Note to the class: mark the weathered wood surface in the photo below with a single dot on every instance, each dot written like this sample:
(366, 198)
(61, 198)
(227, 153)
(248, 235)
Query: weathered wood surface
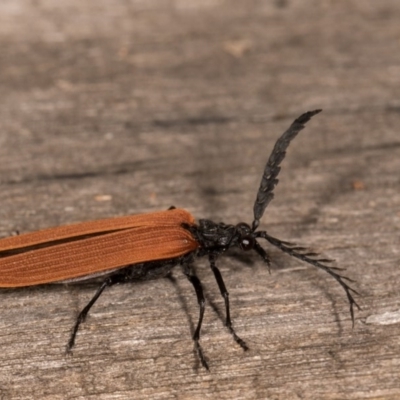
(110, 108)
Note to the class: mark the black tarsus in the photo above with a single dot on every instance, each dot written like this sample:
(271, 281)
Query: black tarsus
(130, 273)
(112, 280)
(269, 179)
(316, 262)
(225, 295)
(195, 281)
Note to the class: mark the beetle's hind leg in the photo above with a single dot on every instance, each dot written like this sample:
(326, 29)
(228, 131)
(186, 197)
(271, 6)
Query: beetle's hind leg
(195, 281)
(110, 281)
(225, 295)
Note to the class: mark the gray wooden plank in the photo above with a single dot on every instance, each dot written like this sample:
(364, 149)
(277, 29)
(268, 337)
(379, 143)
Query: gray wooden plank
(109, 108)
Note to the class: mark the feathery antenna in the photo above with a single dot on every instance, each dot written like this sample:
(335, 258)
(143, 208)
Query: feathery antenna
(269, 179)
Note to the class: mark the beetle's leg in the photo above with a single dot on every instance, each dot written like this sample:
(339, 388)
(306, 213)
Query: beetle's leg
(225, 295)
(195, 281)
(112, 280)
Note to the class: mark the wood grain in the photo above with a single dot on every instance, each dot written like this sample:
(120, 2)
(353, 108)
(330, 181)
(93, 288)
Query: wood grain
(115, 108)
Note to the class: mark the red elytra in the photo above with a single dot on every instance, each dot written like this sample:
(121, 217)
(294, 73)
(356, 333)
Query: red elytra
(77, 250)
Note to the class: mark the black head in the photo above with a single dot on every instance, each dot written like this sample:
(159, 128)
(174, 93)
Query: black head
(216, 238)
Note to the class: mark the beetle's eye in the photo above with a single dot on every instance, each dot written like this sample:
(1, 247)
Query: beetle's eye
(247, 243)
(243, 227)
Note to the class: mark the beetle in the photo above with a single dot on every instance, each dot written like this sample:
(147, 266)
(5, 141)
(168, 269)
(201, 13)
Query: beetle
(145, 246)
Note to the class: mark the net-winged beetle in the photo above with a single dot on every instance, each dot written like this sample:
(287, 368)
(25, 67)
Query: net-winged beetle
(145, 246)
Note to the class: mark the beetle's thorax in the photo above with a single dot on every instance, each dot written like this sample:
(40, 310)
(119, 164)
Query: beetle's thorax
(218, 237)
(215, 235)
